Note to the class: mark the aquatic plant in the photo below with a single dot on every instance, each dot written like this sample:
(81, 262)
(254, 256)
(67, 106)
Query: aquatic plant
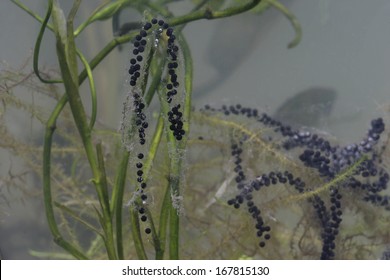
(177, 181)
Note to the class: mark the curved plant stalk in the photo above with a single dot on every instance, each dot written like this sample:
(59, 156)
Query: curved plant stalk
(117, 202)
(163, 222)
(54, 256)
(293, 20)
(174, 182)
(91, 87)
(148, 96)
(105, 205)
(38, 46)
(159, 250)
(104, 12)
(188, 78)
(136, 234)
(207, 13)
(48, 201)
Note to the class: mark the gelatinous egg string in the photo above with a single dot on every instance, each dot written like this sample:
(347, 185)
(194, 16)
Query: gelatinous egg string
(347, 173)
(153, 35)
(158, 28)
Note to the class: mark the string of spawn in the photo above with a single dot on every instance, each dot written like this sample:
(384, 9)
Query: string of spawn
(369, 177)
(155, 28)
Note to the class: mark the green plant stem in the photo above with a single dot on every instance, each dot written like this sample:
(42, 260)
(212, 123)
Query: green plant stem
(91, 87)
(136, 233)
(156, 238)
(117, 201)
(207, 13)
(174, 191)
(163, 222)
(155, 81)
(293, 20)
(49, 255)
(188, 78)
(38, 46)
(145, 75)
(66, 52)
(104, 12)
(156, 140)
(174, 213)
(48, 201)
(105, 205)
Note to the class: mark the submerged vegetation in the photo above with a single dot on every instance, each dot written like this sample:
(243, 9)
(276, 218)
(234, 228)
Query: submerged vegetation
(217, 183)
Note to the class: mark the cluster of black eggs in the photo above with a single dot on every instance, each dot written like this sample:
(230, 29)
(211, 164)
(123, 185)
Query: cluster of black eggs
(140, 43)
(315, 159)
(236, 153)
(139, 47)
(141, 124)
(245, 195)
(140, 179)
(246, 189)
(372, 188)
(172, 83)
(175, 117)
(140, 117)
(234, 110)
(319, 154)
(330, 220)
(328, 160)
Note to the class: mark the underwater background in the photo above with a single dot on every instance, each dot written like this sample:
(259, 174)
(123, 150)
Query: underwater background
(243, 59)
